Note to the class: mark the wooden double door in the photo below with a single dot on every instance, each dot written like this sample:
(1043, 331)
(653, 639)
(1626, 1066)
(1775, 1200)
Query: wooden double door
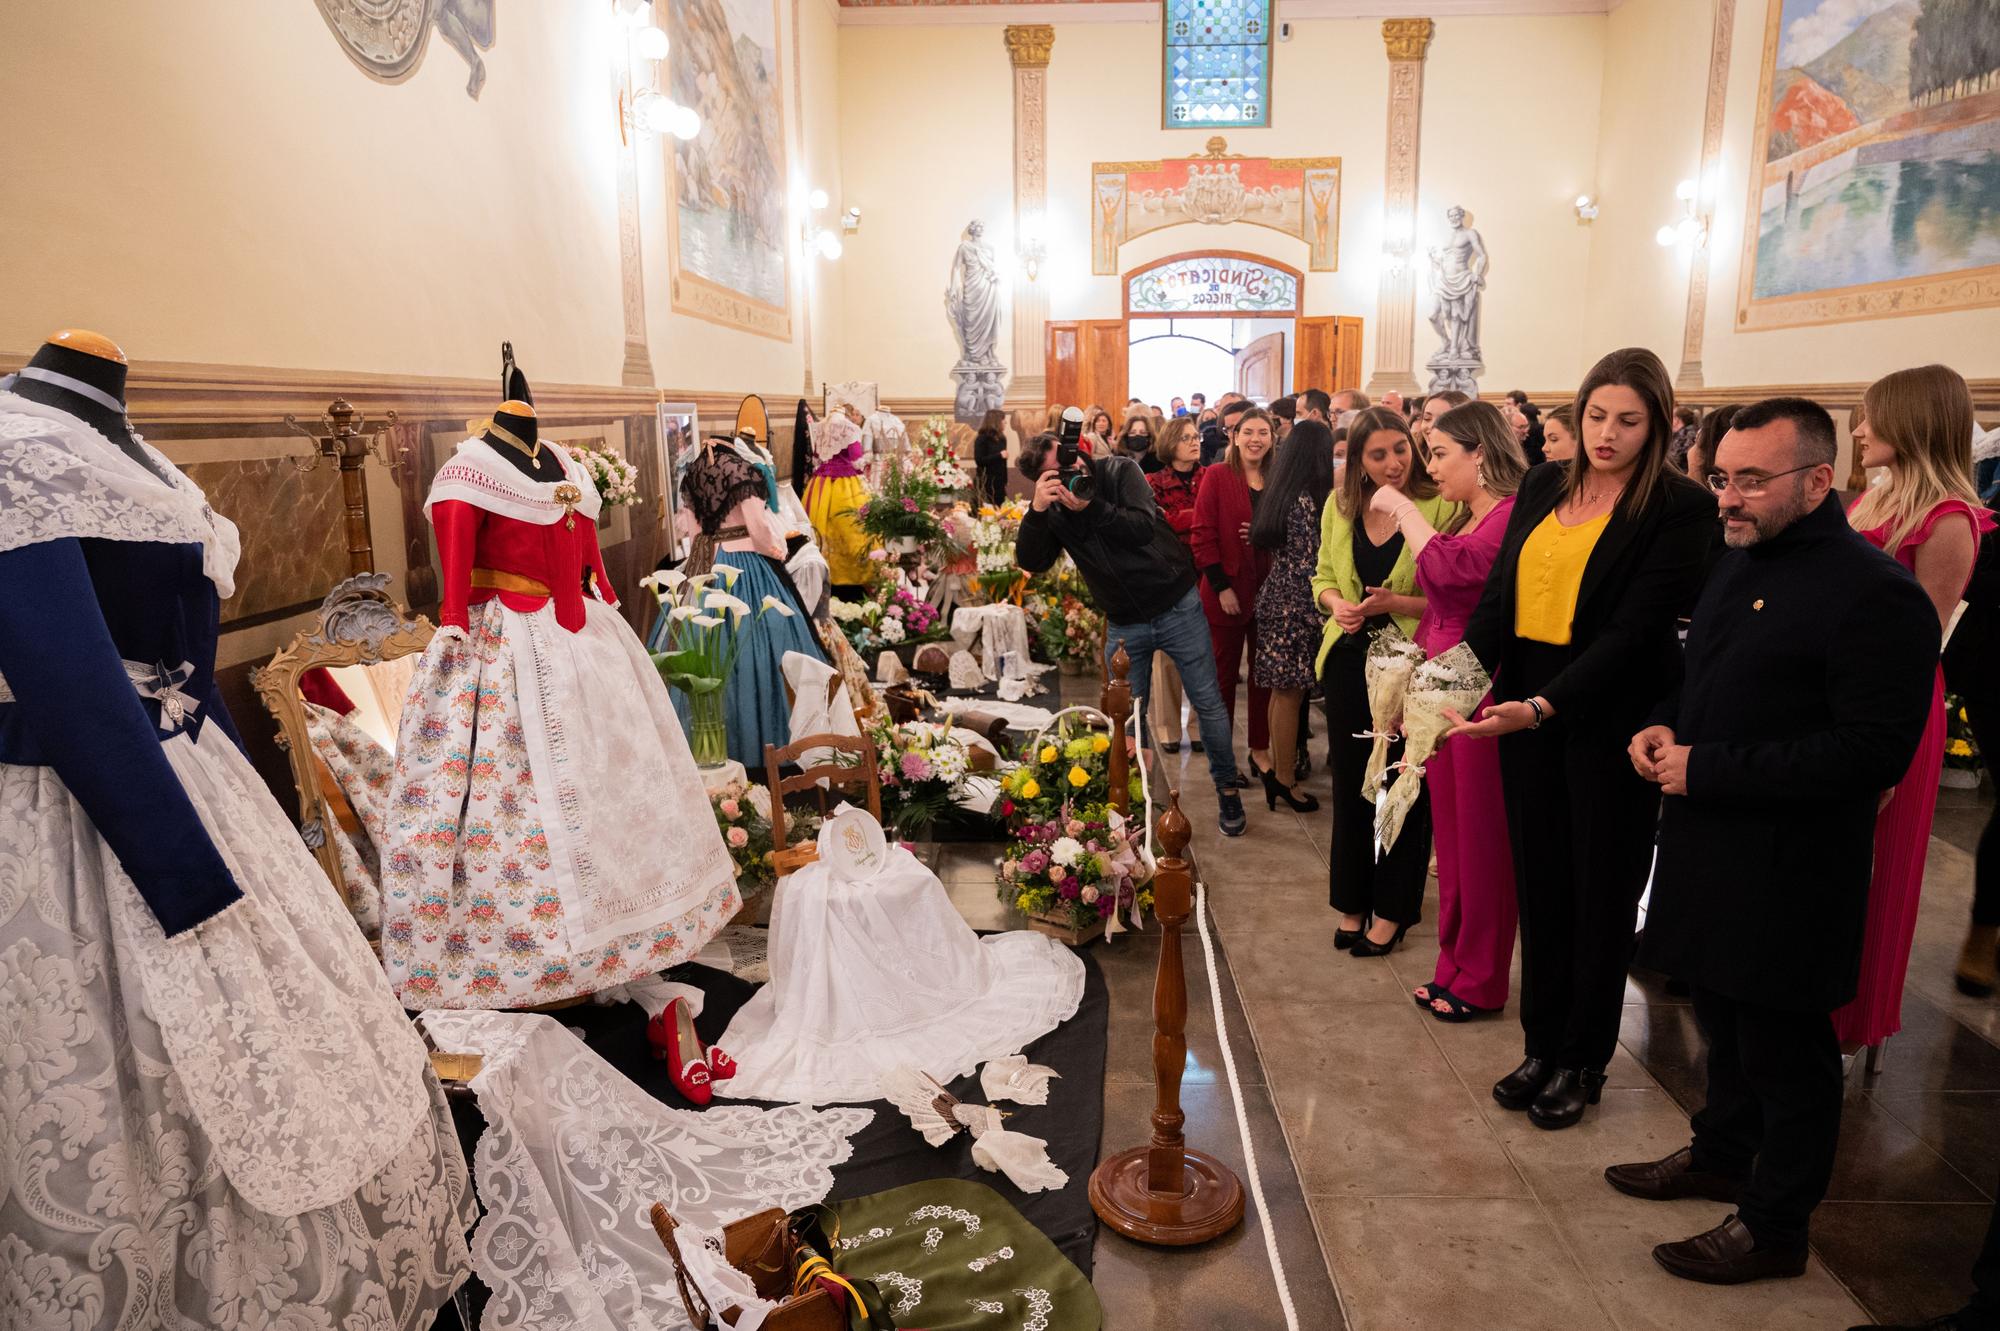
(1089, 360)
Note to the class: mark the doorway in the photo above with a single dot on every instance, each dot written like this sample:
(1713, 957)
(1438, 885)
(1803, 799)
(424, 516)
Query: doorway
(1176, 357)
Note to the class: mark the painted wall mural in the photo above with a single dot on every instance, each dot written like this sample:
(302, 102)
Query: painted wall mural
(387, 37)
(1875, 170)
(731, 263)
(1299, 196)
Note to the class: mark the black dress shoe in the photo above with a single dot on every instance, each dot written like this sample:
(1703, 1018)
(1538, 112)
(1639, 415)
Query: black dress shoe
(1671, 1179)
(1518, 1089)
(1563, 1098)
(1729, 1255)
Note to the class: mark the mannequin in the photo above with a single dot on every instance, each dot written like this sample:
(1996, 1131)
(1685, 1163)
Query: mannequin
(82, 369)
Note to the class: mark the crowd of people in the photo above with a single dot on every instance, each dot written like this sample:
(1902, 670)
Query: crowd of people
(1711, 673)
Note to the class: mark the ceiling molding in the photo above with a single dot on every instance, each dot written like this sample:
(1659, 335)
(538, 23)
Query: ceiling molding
(940, 13)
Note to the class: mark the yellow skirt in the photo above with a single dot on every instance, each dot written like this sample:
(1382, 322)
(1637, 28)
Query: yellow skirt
(832, 503)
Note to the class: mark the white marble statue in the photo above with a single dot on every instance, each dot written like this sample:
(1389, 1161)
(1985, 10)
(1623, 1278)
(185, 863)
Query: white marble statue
(1458, 279)
(972, 303)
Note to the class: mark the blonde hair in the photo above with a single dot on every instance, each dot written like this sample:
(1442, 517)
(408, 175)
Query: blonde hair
(1053, 421)
(1926, 415)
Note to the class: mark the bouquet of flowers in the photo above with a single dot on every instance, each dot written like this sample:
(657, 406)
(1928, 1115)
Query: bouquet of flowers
(743, 813)
(922, 768)
(1078, 869)
(1065, 621)
(704, 633)
(1391, 659)
(895, 612)
(1453, 681)
(995, 573)
(934, 458)
(1064, 771)
(1961, 751)
(617, 480)
(902, 507)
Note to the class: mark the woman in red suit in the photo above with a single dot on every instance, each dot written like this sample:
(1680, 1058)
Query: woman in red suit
(1176, 481)
(1232, 569)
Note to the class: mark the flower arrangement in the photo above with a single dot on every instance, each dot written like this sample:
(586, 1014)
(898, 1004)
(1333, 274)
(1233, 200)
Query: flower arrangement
(922, 768)
(935, 459)
(617, 480)
(704, 633)
(895, 612)
(1065, 621)
(1064, 772)
(902, 507)
(995, 572)
(1961, 751)
(1077, 871)
(743, 815)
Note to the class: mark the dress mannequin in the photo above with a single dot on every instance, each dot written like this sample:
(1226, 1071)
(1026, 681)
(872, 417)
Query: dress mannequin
(193, 988)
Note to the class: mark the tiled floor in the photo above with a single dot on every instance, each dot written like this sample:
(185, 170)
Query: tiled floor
(1389, 1167)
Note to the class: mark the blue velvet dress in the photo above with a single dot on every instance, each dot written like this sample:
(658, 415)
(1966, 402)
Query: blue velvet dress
(215, 1111)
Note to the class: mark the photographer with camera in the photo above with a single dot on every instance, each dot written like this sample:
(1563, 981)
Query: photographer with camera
(1100, 511)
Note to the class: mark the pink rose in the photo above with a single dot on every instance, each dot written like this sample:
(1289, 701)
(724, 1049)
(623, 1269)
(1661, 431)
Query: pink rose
(738, 837)
(1074, 827)
(731, 809)
(1089, 894)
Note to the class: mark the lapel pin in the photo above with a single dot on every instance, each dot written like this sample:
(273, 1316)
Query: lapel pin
(1757, 604)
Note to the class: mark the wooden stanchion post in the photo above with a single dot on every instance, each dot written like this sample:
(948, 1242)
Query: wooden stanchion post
(1167, 1192)
(1117, 704)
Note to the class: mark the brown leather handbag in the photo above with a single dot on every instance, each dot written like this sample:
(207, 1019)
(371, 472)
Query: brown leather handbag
(762, 1247)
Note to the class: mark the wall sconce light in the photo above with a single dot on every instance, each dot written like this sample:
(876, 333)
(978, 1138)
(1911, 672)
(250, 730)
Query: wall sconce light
(1692, 228)
(650, 43)
(1032, 245)
(816, 238)
(648, 109)
(1586, 209)
(850, 221)
(633, 13)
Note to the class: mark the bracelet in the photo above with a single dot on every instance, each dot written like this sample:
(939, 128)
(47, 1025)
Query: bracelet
(1540, 717)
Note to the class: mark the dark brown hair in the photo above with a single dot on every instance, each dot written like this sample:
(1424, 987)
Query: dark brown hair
(1479, 427)
(1355, 487)
(1641, 371)
(1235, 460)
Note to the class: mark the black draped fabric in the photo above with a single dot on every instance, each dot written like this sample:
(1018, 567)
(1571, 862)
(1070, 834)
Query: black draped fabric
(889, 1152)
(801, 448)
(718, 479)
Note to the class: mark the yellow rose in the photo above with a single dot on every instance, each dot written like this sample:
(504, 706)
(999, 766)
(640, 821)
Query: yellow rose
(1048, 753)
(1099, 744)
(1032, 789)
(1078, 777)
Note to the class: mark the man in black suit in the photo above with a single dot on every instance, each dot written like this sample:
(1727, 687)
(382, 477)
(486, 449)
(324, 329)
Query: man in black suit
(1808, 682)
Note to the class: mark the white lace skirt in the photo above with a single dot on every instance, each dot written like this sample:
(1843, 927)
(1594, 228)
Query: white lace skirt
(870, 976)
(236, 1127)
(548, 834)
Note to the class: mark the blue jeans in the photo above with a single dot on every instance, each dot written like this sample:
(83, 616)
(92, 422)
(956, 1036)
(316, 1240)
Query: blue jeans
(1182, 633)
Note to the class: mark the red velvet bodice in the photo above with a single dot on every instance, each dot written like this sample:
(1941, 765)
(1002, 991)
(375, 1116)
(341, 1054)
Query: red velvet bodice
(558, 555)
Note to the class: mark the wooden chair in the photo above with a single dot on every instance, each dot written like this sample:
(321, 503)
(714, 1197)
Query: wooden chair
(861, 774)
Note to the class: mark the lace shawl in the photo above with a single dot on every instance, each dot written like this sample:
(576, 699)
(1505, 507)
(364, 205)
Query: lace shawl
(718, 479)
(61, 478)
(479, 476)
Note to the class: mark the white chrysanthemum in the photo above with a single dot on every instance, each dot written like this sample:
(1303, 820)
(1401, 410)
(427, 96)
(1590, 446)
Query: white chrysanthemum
(1065, 851)
(891, 630)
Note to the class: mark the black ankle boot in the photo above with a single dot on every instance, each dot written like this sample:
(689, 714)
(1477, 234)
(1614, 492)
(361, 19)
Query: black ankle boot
(1562, 1101)
(1518, 1089)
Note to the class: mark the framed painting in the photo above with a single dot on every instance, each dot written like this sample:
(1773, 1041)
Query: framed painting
(728, 217)
(1875, 170)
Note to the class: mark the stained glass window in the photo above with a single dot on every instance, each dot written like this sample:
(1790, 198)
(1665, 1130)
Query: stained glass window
(1218, 63)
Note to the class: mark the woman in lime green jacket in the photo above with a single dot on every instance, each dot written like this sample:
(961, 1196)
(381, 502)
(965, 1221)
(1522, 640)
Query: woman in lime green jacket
(1367, 579)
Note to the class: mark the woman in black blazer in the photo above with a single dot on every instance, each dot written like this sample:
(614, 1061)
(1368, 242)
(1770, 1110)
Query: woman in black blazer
(1577, 625)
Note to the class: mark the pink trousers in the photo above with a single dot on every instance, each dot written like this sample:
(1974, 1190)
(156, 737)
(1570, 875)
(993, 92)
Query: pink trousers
(1477, 909)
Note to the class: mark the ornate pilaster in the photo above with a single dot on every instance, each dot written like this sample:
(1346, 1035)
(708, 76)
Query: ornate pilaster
(1711, 155)
(1028, 47)
(1407, 40)
(637, 371)
(808, 268)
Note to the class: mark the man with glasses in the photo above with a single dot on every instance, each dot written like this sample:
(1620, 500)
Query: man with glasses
(1809, 671)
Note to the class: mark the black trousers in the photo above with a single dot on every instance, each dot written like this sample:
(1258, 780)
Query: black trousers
(1358, 883)
(1984, 717)
(1983, 1313)
(1582, 823)
(1773, 1110)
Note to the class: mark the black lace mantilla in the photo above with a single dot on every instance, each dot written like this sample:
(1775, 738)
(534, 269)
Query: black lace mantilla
(718, 479)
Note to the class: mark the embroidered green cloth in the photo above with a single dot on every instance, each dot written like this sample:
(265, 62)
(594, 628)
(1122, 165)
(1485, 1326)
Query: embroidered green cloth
(951, 1254)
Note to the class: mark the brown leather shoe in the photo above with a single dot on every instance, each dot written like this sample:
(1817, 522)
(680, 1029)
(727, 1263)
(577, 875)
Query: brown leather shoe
(1729, 1255)
(1672, 1179)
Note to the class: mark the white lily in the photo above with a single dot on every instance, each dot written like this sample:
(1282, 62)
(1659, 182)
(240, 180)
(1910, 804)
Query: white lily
(773, 603)
(683, 612)
(724, 601)
(730, 573)
(707, 621)
(670, 579)
(698, 581)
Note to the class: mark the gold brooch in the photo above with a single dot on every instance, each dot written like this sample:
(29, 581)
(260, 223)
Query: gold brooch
(569, 497)
(1757, 604)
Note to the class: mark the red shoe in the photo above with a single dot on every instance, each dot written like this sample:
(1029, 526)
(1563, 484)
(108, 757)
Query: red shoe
(672, 1036)
(720, 1065)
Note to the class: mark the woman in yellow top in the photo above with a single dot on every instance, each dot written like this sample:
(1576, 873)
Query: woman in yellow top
(1366, 578)
(1602, 555)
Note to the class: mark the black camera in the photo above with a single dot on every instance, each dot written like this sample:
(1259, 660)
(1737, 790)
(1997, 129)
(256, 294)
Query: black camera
(1071, 460)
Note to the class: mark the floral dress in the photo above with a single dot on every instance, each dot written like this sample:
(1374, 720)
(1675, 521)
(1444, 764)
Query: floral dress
(1288, 623)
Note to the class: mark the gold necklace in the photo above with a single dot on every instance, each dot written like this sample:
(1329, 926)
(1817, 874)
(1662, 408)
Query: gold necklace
(501, 432)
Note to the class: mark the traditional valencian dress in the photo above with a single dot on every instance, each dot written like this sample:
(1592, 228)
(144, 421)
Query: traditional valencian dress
(834, 497)
(212, 1111)
(548, 835)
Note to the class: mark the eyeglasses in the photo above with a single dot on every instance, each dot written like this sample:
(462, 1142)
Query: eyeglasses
(1750, 487)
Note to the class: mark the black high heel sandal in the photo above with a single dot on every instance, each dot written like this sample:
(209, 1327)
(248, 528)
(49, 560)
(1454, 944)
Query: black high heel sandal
(1274, 791)
(1368, 947)
(1343, 939)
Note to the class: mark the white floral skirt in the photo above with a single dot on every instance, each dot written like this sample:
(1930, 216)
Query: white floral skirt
(547, 831)
(235, 1127)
